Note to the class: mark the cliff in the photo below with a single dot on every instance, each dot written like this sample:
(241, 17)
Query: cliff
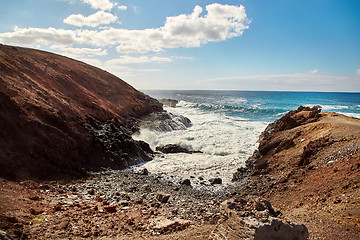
(59, 116)
(308, 166)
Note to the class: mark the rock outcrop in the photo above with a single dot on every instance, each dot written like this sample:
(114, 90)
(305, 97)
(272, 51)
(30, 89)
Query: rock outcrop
(308, 166)
(254, 218)
(54, 112)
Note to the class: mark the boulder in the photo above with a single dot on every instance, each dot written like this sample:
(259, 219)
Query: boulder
(174, 148)
(254, 218)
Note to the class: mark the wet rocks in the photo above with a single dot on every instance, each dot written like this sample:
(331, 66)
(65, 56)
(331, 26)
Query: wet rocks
(169, 102)
(174, 148)
(164, 122)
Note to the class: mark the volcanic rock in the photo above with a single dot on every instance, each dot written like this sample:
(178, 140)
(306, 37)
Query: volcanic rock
(174, 148)
(60, 116)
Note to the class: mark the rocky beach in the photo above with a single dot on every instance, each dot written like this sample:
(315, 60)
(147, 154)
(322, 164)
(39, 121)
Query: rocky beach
(66, 137)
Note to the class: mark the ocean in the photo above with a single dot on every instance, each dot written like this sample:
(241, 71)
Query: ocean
(225, 128)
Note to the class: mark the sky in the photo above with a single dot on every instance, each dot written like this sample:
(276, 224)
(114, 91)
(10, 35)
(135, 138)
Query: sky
(278, 45)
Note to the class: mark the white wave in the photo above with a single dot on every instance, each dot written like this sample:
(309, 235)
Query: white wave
(354, 115)
(226, 142)
(328, 107)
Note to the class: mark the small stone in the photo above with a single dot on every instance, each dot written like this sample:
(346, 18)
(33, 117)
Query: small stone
(35, 212)
(110, 209)
(34, 197)
(57, 208)
(214, 181)
(146, 187)
(64, 224)
(144, 172)
(162, 197)
(74, 189)
(91, 192)
(186, 182)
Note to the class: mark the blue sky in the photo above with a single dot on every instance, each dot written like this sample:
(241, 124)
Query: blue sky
(308, 45)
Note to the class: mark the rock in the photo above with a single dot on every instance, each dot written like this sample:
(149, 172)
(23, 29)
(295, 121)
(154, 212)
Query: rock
(214, 181)
(34, 197)
(91, 192)
(146, 187)
(162, 197)
(58, 208)
(5, 236)
(64, 224)
(35, 211)
(169, 102)
(110, 209)
(164, 122)
(186, 182)
(163, 225)
(144, 172)
(174, 148)
(254, 218)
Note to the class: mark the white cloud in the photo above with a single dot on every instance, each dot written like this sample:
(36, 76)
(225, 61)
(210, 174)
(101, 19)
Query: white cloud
(141, 59)
(93, 20)
(314, 71)
(33, 36)
(358, 72)
(295, 81)
(187, 30)
(100, 4)
(77, 52)
(122, 7)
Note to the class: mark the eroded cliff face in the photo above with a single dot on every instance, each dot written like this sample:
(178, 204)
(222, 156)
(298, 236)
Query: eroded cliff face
(55, 111)
(308, 166)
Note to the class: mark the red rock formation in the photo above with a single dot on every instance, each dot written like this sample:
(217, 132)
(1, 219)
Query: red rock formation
(308, 166)
(45, 101)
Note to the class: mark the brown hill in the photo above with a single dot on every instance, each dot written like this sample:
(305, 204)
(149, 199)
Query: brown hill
(59, 116)
(308, 166)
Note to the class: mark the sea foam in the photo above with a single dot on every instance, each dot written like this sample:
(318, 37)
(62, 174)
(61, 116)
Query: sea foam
(225, 142)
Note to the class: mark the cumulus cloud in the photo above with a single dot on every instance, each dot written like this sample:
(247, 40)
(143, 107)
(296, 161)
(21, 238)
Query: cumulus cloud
(142, 59)
(100, 4)
(77, 52)
(314, 71)
(186, 30)
(93, 20)
(33, 36)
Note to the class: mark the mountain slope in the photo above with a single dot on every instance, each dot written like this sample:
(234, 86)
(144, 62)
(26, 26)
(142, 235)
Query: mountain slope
(53, 110)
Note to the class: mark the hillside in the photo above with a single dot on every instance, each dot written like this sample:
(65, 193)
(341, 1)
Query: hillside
(308, 166)
(59, 116)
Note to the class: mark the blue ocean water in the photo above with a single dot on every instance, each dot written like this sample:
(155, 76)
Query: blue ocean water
(263, 106)
(225, 128)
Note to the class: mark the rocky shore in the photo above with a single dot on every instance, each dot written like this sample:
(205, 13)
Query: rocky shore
(66, 138)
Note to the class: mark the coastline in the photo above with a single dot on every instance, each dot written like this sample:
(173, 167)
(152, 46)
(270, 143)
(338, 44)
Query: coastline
(67, 206)
(65, 118)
